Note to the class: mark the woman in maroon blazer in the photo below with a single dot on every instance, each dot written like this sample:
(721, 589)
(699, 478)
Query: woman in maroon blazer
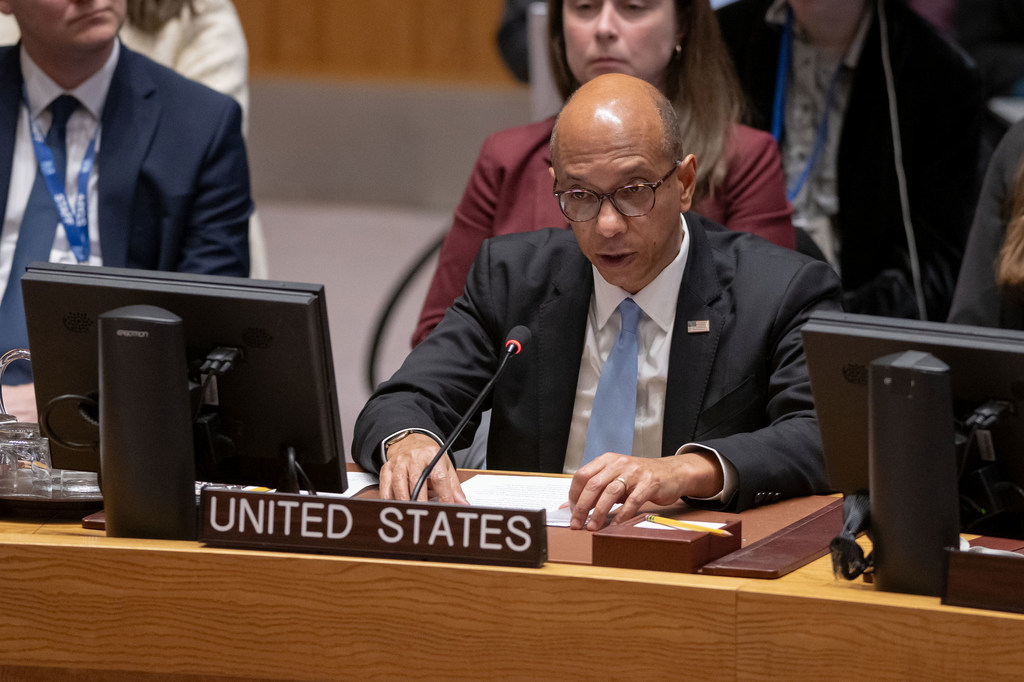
(673, 44)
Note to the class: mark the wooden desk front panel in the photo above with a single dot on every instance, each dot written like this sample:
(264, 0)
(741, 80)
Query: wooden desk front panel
(101, 603)
(78, 601)
(809, 626)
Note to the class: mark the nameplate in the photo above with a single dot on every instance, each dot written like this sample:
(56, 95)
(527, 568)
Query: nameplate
(377, 528)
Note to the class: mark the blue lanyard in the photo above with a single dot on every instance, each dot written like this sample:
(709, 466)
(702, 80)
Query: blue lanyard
(782, 76)
(779, 105)
(75, 222)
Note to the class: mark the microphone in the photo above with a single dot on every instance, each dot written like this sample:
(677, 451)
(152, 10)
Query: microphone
(514, 342)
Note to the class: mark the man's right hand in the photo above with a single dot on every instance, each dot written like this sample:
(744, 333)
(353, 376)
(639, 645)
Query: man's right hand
(406, 460)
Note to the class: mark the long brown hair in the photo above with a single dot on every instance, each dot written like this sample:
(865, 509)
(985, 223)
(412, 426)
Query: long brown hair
(700, 81)
(1010, 263)
(150, 16)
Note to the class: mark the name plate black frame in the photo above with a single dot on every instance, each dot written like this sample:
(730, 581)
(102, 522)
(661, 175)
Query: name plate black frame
(377, 528)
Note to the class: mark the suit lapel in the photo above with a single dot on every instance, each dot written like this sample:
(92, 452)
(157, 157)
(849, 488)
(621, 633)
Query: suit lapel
(10, 105)
(561, 331)
(692, 354)
(130, 118)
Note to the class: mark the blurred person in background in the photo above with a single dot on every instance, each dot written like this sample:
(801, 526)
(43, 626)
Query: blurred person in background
(202, 40)
(885, 184)
(990, 290)
(674, 45)
(139, 167)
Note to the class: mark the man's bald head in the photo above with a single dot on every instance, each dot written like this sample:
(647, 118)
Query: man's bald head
(618, 136)
(617, 105)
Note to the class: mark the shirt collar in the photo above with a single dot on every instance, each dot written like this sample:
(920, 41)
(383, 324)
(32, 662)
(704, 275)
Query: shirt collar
(775, 15)
(91, 93)
(657, 299)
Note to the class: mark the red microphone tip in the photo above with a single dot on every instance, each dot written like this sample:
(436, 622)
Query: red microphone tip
(516, 339)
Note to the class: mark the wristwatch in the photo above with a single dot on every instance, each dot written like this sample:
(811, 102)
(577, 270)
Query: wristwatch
(395, 438)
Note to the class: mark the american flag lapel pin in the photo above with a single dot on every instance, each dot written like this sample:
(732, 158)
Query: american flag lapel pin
(698, 327)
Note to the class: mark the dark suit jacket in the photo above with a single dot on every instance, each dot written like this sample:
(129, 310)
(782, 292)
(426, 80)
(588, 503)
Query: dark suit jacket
(940, 108)
(742, 388)
(173, 174)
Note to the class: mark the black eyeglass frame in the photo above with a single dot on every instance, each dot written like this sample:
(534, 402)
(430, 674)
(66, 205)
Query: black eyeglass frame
(610, 196)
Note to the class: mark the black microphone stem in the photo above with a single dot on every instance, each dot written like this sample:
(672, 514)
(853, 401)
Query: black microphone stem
(510, 351)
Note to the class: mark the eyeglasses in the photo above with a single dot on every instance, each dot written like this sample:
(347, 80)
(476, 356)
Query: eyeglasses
(632, 201)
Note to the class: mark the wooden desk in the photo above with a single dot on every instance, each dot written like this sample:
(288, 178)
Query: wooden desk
(75, 600)
(807, 625)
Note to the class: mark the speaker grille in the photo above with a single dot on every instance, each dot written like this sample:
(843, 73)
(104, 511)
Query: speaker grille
(79, 323)
(856, 374)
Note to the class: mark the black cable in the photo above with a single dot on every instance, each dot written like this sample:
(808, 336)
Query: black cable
(294, 475)
(983, 417)
(848, 558)
(988, 414)
(385, 315)
(202, 398)
(218, 362)
(465, 420)
(304, 479)
(50, 433)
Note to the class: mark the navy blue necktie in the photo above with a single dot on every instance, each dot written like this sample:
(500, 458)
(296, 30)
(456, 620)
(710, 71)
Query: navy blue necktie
(613, 417)
(35, 240)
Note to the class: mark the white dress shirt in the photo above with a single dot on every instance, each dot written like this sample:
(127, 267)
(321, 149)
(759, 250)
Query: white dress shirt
(657, 302)
(82, 125)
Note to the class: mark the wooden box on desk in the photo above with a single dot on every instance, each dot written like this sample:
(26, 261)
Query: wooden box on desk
(986, 581)
(662, 549)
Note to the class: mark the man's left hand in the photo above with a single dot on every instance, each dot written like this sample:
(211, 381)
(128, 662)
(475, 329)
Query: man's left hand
(633, 481)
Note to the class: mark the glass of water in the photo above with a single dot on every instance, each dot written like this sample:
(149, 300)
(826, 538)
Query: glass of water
(25, 469)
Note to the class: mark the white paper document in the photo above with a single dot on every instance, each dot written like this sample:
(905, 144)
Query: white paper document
(522, 492)
(359, 481)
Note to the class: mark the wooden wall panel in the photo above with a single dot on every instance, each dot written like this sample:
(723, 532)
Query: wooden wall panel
(434, 41)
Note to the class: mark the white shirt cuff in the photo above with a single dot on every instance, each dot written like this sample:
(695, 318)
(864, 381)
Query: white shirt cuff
(729, 475)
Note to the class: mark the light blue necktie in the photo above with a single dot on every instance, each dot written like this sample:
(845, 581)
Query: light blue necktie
(613, 417)
(35, 239)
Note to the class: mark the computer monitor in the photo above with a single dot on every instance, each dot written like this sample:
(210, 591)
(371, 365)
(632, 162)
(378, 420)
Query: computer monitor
(280, 394)
(986, 368)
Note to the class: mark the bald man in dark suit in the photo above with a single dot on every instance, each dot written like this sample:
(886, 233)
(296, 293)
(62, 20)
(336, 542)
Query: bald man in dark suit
(724, 415)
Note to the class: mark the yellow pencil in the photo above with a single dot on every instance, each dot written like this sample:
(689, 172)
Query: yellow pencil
(675, 523)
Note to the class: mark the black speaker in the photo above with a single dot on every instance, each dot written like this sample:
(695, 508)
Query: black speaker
(912, 472)
(147, 469)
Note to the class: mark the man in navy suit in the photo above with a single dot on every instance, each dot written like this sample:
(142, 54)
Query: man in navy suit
(723, 409)
(155, 176)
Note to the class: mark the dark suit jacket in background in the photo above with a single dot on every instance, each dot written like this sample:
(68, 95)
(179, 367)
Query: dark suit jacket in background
(742, 388)
(940, 112)
(978, 299)
(173, 174)
(992, 32)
